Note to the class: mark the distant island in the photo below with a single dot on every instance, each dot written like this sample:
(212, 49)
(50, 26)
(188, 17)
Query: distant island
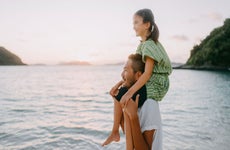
(84, 63)
(115, 64)
(8, 58)
(213, 53)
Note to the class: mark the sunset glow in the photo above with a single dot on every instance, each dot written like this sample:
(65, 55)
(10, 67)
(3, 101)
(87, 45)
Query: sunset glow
(101, 32)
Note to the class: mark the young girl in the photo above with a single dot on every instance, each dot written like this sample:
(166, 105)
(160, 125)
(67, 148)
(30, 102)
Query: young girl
(157, 63)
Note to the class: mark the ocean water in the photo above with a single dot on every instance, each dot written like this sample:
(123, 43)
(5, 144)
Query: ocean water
(69, 107)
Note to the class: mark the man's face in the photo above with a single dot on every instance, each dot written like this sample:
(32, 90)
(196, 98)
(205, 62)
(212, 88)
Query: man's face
(128, 74)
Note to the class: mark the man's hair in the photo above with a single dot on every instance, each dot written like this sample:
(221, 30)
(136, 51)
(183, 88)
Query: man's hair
(137, 63)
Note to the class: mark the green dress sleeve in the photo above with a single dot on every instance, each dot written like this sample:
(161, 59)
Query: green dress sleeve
(149, 49)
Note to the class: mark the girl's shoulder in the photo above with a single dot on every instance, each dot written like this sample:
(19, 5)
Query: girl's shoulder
(150, 43)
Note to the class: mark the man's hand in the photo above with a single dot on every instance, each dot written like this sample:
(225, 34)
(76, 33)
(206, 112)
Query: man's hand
(125, 98)
(131, 107)
(114, 91)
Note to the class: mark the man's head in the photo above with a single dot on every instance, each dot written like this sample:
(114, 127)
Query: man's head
(133, 69)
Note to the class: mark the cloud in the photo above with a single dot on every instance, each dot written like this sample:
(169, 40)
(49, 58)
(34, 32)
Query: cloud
(180, 38)
(215, 16)
(22, 40)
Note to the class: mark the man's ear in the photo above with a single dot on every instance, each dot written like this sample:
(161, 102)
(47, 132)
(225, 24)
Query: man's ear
(137, 75)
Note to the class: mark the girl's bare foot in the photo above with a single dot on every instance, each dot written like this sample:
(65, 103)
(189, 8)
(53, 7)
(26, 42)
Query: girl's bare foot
(114, 136)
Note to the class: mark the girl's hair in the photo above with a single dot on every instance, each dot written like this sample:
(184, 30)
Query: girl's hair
(147, 16)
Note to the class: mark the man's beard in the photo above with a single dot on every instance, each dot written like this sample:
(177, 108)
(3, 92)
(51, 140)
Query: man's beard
(129, 83)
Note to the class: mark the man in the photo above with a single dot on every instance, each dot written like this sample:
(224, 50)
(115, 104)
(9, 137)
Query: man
(143, 124)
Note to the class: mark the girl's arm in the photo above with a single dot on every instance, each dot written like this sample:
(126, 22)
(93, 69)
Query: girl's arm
(149, 64)
(114, 90)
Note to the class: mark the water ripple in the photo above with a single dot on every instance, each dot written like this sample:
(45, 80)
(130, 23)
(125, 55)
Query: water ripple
(60, 107)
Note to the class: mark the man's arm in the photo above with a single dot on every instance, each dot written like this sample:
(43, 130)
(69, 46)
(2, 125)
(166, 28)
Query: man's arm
(140, 141)
(148, 135)
(128, 133)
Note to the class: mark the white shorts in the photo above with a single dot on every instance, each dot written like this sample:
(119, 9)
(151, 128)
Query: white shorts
(150, 118)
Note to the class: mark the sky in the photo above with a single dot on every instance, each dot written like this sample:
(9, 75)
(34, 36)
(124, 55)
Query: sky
(101, 31)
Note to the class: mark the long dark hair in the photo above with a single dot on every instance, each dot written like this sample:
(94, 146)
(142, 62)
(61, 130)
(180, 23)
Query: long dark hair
(147, 16)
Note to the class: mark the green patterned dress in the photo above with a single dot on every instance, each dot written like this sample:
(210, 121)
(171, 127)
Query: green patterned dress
(157, 86)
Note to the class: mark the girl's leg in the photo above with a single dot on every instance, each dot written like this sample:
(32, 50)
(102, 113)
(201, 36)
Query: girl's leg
(122, 123)
(115, 136)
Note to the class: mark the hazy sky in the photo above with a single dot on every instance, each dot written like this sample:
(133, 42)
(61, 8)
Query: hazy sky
(101, 31)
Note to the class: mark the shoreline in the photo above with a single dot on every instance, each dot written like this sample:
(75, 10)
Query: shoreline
(209, 68)
(185, 67)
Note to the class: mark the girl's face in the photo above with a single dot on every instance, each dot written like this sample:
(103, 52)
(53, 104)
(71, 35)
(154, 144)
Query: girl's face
(140, 28)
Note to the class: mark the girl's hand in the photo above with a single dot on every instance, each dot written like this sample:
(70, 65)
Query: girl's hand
(125, 99)
(114, 90)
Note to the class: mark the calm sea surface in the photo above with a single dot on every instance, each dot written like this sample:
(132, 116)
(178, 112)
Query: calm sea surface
(68, 107)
